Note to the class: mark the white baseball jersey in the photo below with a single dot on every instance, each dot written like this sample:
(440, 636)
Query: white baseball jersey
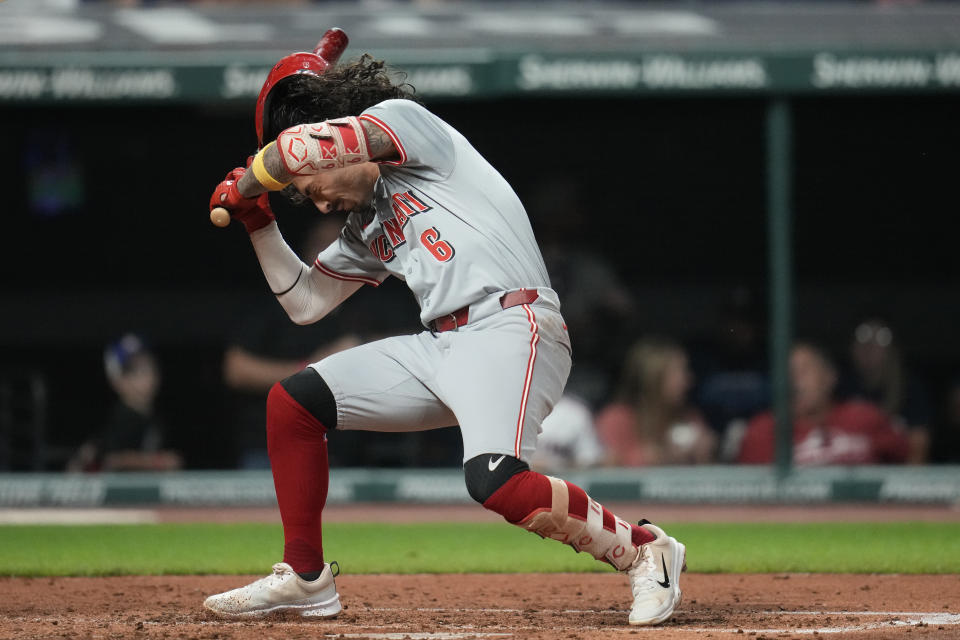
(448, 224)
(446, 221)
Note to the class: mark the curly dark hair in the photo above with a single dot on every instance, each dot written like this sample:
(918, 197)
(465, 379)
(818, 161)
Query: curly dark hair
(344, 90)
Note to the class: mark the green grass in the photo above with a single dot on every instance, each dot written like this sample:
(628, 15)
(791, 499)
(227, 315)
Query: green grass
(464, 548)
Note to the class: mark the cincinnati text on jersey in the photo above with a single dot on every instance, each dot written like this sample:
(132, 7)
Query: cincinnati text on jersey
(405, 205)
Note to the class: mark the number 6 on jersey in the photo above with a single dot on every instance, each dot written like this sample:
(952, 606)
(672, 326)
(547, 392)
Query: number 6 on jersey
(440, 249)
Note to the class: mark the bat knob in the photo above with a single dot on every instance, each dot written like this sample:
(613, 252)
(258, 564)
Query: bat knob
(220, 217)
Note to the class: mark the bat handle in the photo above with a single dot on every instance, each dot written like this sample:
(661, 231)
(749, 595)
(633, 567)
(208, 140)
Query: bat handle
(220, 217)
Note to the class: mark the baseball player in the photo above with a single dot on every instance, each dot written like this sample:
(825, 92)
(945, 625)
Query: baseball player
(424, 206)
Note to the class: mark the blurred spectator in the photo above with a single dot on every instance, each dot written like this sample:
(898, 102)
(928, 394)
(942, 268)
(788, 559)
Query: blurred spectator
(824, 431)
(567, 439)
(651, 421)
(945, 438)
(132, 438)
(878, 375)
(267, 347)
(733, 382)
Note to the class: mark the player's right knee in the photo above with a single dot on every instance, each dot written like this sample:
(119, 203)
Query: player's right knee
(310, 391)
(486, 473)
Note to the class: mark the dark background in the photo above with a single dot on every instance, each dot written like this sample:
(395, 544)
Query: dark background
(669, 191)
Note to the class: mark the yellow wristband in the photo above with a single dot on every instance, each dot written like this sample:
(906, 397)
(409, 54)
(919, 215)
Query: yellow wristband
(263, 176)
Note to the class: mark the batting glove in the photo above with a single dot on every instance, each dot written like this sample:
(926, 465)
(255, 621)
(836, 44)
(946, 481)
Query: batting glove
(254, 213)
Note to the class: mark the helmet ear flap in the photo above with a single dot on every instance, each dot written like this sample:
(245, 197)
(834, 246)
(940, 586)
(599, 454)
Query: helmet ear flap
(295, 99)
(266, 133)
(293, 64)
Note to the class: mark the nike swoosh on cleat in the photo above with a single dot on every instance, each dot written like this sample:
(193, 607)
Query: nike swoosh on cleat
(666, 576)
(493, 465)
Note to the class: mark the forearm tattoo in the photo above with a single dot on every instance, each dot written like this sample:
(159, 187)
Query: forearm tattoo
(249, 186)
(378, 142)
(274, 165)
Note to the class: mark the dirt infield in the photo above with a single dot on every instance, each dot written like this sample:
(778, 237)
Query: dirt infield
(540, 607)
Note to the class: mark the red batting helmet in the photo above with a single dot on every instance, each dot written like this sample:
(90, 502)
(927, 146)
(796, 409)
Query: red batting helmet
(325, 55)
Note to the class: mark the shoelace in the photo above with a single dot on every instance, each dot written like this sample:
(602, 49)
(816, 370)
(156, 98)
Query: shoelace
(642, 574)
(280, 571)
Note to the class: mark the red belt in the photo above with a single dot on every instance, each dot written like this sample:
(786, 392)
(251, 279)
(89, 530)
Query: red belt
(460, 317)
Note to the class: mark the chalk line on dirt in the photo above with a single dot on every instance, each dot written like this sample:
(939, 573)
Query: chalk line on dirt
(910, 618)
(440, 635)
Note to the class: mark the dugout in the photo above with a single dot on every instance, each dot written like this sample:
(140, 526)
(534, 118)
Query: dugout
(804, 150)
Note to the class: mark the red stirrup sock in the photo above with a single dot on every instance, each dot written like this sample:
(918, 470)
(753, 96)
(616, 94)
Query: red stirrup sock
(297, 444)
(641, 536)
(554, 508)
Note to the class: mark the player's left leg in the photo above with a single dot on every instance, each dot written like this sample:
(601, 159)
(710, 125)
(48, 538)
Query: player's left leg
(560, 510)
(502, 376)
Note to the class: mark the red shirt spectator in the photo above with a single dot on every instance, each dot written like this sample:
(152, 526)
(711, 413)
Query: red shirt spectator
(825, 432)
(850, 433)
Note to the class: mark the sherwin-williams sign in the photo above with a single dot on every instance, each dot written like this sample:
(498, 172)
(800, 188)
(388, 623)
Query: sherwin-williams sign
(510, 75)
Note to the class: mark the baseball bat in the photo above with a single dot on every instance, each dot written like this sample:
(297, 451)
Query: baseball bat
(329, 49)
(331, 45)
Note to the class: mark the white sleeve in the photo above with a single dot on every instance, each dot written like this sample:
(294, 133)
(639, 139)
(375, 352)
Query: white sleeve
(306, 293)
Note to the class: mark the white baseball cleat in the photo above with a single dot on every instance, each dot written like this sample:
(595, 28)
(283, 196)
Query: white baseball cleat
(655, 578)
(282, 590)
